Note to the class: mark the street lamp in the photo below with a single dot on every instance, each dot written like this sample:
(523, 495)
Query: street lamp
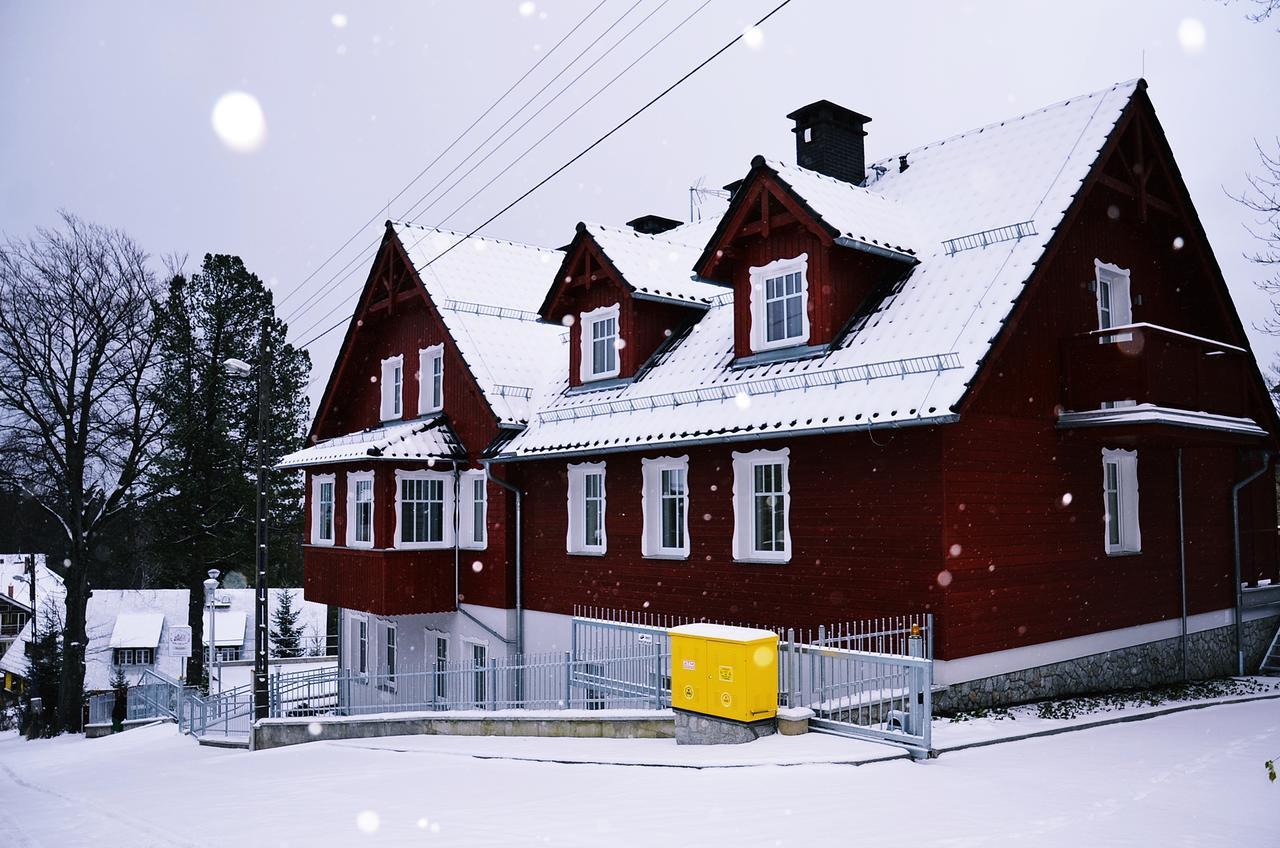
(210, 587)
(240, 368)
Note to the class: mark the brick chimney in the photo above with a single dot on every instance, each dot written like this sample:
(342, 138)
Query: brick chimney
(829, 140)
(652, 225)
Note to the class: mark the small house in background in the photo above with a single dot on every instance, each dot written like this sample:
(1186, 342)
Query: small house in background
(132, 630)
(16, 610)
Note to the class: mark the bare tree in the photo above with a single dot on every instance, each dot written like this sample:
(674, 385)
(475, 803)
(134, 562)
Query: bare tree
(1262, 198)
(77, 418)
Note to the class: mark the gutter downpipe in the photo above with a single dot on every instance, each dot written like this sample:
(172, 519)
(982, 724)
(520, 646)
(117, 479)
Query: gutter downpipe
(519, 558)
(1235, 522)
(457, 565)
(1182, 570)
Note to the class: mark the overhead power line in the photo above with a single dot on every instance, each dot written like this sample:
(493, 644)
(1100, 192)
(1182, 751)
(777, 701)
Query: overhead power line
(592, 146)
(442, 153)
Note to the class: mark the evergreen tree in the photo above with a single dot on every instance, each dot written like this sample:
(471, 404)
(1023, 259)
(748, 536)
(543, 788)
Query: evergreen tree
(286, 633)
(45, 673)
(204, 516)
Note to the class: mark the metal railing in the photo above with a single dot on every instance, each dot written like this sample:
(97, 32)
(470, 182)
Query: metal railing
(155, 696)
(765, 386)
(227, 713)
(1010, 232)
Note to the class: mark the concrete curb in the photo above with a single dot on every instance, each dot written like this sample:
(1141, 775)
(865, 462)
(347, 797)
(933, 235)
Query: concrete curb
(1054, 731)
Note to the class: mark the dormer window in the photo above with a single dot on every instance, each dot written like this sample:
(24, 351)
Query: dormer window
(392, 388)
(431, 379)
(599, 329)
(779, 304)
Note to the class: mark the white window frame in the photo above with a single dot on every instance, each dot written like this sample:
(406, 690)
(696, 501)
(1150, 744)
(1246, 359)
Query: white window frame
(477, 675)
(392, 389)
(390, 665)
(430, 381)
(1120, 467)
(652, 507)
(468, 505)
(354, 478)
(759, 308)
(360, 645)
(575, 536)
(317, 481)
(446, 509)
(440, 682)
(1113, 285)
(744, 465)
(586, 326)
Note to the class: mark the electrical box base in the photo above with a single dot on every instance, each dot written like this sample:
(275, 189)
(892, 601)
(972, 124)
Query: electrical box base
(698, 729)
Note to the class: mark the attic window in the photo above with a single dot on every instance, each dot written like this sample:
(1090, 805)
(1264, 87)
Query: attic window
(780, 304)
(430, 379)
(808, 134)
(599, 329)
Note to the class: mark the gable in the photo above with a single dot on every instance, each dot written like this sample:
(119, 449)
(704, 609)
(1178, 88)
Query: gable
(1135, 213)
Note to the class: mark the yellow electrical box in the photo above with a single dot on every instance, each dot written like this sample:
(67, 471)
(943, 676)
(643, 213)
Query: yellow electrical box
(722, 671)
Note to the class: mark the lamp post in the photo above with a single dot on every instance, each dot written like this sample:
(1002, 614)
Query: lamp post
(210, 587)
(263, 372)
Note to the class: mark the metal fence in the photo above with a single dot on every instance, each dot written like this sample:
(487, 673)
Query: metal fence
(155, 697)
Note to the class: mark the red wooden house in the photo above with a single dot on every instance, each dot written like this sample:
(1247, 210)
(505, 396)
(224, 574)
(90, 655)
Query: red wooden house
(998, 378)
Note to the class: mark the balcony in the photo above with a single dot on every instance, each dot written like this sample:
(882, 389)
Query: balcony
(383, 582)
(1155, 366)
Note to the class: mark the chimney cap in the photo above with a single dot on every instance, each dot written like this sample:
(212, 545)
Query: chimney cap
(652, 225)
(824, 110)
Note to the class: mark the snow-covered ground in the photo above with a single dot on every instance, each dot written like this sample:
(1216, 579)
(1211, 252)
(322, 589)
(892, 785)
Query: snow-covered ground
(1192, 778)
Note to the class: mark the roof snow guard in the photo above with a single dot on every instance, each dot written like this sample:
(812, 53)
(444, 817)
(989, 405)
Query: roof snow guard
(428, 439)
(1012, 232)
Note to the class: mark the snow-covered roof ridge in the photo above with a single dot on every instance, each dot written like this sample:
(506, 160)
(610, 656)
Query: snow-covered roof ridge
(421, 438)
(655, 265)
(500, 345)
(930, 332)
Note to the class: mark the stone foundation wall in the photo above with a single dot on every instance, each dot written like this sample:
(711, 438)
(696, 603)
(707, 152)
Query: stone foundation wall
(1212, 653)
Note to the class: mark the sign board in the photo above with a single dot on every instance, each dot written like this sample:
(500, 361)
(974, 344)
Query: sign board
(180, 640)
(644, 637)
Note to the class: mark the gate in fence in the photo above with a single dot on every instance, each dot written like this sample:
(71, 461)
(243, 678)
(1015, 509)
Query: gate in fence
(869, 679)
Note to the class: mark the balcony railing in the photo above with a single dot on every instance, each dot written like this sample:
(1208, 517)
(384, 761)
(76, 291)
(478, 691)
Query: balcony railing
(1145, 363)
(383, 582)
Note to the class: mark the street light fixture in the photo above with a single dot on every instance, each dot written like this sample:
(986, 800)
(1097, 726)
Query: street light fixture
(240, 368)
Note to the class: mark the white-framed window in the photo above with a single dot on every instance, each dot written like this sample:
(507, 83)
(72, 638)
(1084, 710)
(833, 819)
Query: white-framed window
(322, 494)
(600, 343)
(389, 654)
(1115, 303)
(361, 659)
(780, 304)
(226, 653)
(438, 645)
(762, 506)
(133, 656)
(478, 653)
(360, 509)
(664, 500)
(424, 509)
(1122, 534)
(431, 379)
(392, 388)
(473, 512)
(586, 533)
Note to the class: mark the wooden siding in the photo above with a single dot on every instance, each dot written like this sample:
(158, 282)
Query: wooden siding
(380, 582)
(865, 528)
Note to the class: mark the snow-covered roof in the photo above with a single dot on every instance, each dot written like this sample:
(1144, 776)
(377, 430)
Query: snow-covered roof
(427, 438)
(911, 360)
(13, 580)
(862, 218)
(137, 630)
(230, 627)
(1147, 413)
(487, 292)
(312, 616)
(659, 266)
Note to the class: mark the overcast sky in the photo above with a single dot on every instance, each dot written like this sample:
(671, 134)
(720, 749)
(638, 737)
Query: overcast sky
(106, 110)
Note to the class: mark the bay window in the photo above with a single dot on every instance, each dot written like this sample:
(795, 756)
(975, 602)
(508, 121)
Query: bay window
(473, 512)
(424, 509)
(360, 509)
